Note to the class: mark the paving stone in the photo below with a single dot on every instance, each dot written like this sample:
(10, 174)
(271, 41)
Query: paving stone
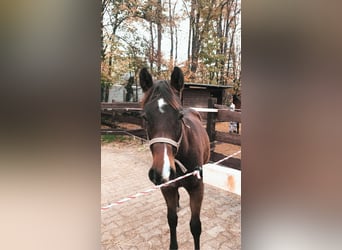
(213, 232)
(142, 224)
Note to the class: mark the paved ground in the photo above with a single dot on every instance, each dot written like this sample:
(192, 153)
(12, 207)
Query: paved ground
(142, 224)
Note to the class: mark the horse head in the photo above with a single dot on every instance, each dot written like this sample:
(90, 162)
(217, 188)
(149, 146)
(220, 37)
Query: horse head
(162, 111)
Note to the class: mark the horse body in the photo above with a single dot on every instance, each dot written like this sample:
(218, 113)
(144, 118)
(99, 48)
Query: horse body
(176, 135)
(194, 132)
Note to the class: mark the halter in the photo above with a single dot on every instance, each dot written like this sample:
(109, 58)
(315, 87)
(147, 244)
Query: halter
(171, 142)
(166, 140)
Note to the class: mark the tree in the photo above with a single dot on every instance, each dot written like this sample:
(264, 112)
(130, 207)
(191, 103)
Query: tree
(212, 40)
(159, 20)
(171, 25)
(134, 30)
(113, 14)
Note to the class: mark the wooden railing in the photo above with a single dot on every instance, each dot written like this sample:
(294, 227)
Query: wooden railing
(129, 112)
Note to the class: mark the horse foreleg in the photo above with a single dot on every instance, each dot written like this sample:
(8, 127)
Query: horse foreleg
(196, 197)
(171, 197)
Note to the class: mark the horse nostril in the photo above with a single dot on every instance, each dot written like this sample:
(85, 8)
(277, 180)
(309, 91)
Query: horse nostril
(154, 177)
(151, 175)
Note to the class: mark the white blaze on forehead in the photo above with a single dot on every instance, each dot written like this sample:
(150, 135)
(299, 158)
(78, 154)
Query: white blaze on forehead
(161, 104)
(166, 166)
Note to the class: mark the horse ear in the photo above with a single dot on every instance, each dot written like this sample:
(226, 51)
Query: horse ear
(146, 81)
(177, 79)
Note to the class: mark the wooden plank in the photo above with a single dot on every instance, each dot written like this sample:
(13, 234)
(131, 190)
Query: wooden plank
(107, 123)
(195, 97)
(211, 120)
(222, 177)
(228, 138)
(136, 132)
(112, 132)
(226, 115)
(107, 112)
(126, 106)
(231, 162)
(129, 119)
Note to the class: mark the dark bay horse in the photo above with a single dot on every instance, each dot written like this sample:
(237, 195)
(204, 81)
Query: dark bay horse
(179, 145)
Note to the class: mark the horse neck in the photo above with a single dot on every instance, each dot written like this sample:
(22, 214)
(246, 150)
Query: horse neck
(184, 145)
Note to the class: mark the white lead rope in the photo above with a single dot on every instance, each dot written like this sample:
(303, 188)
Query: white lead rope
(147, 191)
(228, 157)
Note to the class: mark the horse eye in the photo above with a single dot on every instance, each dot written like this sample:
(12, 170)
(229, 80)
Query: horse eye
(180, 115)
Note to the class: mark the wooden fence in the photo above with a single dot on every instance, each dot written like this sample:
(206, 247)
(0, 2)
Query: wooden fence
(129, 112)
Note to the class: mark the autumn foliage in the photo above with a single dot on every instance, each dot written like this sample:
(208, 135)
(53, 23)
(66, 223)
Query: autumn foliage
(133, 32)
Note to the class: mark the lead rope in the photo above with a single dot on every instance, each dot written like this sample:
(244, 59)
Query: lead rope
(181, 166)
(148, 191)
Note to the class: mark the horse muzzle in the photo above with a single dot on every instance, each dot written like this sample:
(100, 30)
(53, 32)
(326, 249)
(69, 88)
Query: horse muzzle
(163, 167)
(159, 178)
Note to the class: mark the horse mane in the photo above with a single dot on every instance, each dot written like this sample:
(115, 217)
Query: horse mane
(162, 89)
